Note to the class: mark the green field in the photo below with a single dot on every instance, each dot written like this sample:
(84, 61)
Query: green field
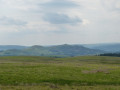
(46, 73)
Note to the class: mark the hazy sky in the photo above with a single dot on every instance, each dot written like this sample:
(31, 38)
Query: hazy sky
(46, 22)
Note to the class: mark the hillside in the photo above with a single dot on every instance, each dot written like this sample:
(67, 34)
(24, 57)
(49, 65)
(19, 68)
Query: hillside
(111, 48)
(7, 47)
(73, 50)
(59, 50)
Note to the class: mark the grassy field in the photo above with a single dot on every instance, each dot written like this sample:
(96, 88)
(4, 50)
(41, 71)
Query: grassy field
(45, 73)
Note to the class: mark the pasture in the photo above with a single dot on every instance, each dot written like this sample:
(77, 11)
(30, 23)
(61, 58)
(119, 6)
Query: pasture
(48, 73)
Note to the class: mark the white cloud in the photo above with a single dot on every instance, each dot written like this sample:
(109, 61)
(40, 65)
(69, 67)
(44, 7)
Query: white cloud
(59, 21)
(6, 21)
(56, 18)
(112, 5)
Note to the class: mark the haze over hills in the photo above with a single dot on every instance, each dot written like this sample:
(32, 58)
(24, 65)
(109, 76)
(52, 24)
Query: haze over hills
(7, 47)
(58, 50)
(110, 47)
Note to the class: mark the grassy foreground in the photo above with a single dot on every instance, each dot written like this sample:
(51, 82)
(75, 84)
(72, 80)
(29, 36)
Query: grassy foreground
(45, 73)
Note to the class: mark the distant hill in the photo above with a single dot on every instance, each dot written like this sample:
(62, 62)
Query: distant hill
(7, 47)
(111, 48)
(73, 50)
(58, 50)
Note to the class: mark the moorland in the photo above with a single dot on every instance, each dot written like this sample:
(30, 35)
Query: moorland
(50, 73)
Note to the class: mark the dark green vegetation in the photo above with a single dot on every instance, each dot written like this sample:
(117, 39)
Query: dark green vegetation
(59, 50)
(111, 54)
(76, 73)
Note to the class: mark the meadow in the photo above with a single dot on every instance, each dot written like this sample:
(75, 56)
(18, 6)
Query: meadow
(49, 73)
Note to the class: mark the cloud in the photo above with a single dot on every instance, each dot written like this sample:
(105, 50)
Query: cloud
(112, 5)
(59, 4)
(11, 22)
(66, 20)
(55, 18)
(56, 12)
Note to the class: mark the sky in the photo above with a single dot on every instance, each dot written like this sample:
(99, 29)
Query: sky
(52, 22)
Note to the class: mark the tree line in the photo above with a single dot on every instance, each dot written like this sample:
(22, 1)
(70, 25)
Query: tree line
(111, 54)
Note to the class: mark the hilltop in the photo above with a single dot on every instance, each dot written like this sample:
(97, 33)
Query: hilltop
(58, 50)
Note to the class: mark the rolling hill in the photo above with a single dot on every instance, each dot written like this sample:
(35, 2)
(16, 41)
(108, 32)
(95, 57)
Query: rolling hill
(110, 48)
(58, 50)
(6, 47)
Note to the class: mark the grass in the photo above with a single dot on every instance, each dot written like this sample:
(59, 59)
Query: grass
(58, 87)
(76, 73)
